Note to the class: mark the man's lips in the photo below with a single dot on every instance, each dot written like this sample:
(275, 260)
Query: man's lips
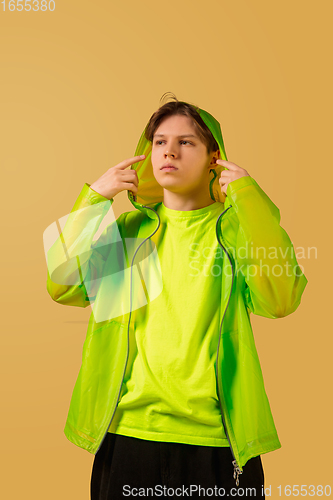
(169, 167)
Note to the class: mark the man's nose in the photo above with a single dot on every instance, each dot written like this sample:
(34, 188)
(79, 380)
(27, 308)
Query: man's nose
(169, 154)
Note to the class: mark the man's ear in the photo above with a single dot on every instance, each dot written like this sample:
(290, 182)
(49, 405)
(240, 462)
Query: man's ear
(216, 156)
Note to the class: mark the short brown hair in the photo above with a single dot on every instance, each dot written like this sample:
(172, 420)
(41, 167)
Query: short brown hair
(176, 107)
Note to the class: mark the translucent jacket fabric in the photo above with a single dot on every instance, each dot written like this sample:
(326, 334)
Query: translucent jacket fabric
(116, 271)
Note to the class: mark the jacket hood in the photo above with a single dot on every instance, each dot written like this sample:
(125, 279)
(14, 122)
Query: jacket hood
(150, 192)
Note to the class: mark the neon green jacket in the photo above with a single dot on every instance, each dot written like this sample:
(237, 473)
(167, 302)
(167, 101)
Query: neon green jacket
(117, 271)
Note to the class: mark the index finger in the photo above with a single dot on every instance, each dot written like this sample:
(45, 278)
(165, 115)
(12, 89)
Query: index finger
(227, 164)
(129, 161)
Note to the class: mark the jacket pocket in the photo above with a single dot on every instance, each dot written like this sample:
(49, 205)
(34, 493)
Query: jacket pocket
(257, 418)
(98, 384)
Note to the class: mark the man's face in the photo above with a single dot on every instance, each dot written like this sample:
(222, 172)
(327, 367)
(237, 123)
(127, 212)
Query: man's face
(176, 142)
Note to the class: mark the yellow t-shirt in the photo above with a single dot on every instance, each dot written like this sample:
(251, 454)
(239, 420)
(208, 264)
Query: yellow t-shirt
(169, 390)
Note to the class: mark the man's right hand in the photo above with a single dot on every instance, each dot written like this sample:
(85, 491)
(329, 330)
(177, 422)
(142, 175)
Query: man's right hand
(117, 179)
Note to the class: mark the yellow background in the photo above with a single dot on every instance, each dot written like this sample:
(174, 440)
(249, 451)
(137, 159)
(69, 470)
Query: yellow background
(77, 87)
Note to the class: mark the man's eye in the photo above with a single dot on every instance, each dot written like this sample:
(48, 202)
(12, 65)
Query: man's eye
(158, 142)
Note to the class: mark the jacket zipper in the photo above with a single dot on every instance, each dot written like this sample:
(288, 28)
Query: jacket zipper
(128, 325)
(237, 469)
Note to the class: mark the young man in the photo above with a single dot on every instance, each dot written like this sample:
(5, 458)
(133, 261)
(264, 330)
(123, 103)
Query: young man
(170, 392)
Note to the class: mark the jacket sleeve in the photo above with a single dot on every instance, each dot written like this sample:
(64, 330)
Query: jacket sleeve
(274, 282)
(74, 261)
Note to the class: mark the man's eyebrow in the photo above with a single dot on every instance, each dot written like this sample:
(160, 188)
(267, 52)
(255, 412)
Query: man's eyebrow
(184, 135)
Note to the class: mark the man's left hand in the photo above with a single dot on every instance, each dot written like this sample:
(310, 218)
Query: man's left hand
(234, 172)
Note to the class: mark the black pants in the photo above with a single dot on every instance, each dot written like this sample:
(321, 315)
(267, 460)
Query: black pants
(125, 464)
